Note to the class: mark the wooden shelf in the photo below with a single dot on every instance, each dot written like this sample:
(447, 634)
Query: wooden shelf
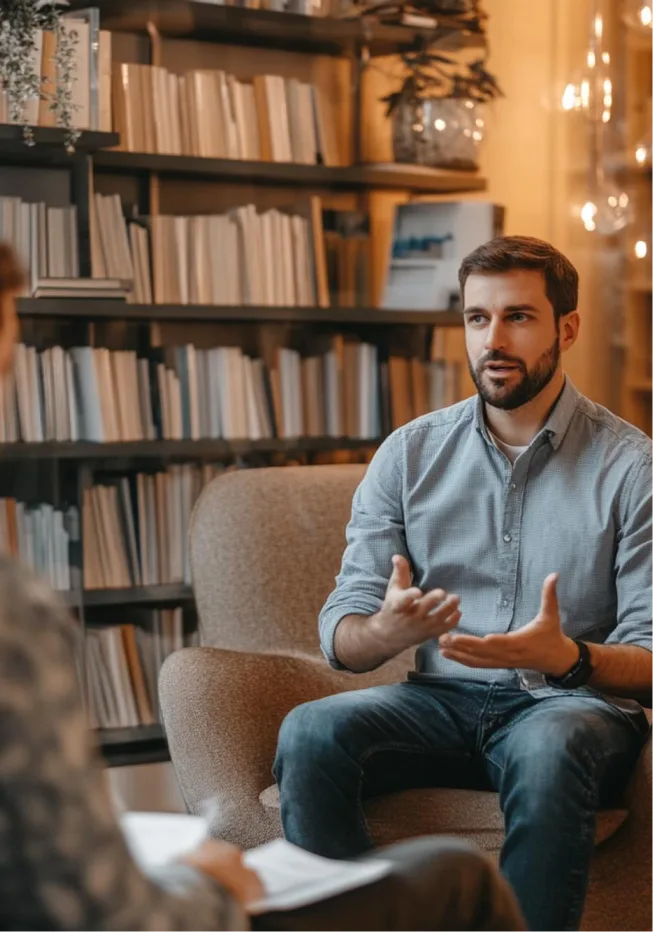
(94, 308)
(352, 177)
(50, 147)
(210, 22)
(177, 449)
(144, 744)
(167, 593)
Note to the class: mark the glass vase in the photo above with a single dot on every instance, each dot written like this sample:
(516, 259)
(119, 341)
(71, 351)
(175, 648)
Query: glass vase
(440, 132)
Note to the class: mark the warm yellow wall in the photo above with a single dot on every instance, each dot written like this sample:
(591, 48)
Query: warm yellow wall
(534, 155)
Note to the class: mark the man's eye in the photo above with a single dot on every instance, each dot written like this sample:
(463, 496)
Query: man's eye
(518, 317)
(476, 318)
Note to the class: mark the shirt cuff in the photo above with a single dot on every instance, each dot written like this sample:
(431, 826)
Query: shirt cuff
(331, 618)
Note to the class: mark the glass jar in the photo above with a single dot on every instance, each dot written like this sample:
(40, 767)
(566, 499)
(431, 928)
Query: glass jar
(441, 132)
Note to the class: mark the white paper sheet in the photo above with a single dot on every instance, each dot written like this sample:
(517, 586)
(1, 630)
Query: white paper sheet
(291, 876)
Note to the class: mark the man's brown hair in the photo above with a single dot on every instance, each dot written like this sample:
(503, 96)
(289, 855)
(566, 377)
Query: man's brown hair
(506, 253)
(12, 276)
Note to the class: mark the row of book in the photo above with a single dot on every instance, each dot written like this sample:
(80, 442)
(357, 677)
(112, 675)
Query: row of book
(135, 527)
(211, 114)
(40, 537)
(45, 238)
(304, 7)
(122, 667)
(304, 256)
(185, 393)
(239, 257)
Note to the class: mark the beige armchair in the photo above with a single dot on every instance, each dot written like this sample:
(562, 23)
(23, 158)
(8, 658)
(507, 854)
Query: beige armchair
(266, 545)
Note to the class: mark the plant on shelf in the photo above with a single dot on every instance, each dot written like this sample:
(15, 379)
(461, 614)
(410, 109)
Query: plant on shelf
(438, 110)
(22, 22)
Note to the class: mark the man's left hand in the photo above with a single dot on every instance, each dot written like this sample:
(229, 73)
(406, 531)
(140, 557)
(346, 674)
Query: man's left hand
(540, 645)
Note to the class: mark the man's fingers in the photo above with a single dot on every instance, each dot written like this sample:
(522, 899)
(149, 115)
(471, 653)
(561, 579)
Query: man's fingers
(406, 599)
(549, 604)
(401, 575)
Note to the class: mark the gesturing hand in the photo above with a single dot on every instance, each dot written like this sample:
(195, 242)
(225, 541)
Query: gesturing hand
(408, 616)
(540, 645)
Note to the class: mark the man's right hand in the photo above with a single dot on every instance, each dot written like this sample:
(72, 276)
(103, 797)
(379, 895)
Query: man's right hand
(410, 617)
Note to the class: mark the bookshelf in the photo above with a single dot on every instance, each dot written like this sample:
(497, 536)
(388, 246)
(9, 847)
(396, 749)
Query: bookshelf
(352, 178)
(209, 22)
(96, 309)
(145, 744)
(183, 34)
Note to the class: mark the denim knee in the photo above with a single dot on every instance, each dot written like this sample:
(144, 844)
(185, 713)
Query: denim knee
(312, 732)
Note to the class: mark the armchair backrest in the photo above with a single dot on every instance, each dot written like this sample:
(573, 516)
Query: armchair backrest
(265, 547)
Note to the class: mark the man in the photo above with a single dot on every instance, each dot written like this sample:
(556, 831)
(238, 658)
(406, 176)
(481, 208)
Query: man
(63, 861)
(514, 528)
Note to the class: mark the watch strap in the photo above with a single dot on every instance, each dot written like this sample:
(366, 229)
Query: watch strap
(579, 673)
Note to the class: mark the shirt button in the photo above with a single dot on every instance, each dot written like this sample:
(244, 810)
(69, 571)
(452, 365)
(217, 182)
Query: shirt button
(504, 602)
(507, 538)
(513, 486)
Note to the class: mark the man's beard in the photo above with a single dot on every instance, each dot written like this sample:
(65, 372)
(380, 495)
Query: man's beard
(499, 395)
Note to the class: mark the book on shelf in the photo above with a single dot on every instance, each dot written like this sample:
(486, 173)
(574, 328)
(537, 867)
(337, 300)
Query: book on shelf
(212, 114)
(40, 537)
(429, 241)
(347, 250)
(106, 288)
(134, 528)
(122, 663)
(186, 393)
(243, 256)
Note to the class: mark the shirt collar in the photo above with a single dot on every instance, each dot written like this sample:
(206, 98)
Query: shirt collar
(557, 423)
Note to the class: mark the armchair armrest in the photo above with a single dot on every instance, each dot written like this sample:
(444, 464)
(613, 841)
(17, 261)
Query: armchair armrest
(222, 711)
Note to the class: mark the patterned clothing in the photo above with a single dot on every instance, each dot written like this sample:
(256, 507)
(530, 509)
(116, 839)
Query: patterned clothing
(576, 502)
(63, 860)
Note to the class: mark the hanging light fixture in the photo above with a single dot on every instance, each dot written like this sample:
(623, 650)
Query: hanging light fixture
(638, 14)
(607, 207)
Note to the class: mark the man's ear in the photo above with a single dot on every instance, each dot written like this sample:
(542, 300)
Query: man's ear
(569, 327)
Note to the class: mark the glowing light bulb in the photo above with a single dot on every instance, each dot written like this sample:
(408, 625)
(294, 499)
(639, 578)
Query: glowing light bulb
(640, 155)
(587, 215)
(641, 249)
(440, 124)
(569, 97)
(646, 15)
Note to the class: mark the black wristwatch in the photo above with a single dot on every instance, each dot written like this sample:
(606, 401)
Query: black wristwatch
(579, 673)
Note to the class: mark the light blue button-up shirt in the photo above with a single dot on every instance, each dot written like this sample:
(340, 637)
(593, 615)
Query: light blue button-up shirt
(576, 502)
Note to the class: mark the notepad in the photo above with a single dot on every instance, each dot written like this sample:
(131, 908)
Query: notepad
(290, 876)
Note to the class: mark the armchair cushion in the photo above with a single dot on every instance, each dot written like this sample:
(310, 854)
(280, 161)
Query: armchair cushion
(472, 814)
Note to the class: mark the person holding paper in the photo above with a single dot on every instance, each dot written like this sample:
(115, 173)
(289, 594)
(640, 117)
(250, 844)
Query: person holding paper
(64, 862)
(508, 540)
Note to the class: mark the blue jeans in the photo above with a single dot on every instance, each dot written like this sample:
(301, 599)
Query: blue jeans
(554, 760)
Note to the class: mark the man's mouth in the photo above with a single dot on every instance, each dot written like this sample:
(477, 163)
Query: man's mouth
(500, 367)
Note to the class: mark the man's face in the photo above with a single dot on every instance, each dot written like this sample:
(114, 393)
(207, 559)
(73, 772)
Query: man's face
(513, 346)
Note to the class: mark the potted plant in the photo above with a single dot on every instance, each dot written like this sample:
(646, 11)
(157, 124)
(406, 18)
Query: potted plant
(438, 111)
(22, 26)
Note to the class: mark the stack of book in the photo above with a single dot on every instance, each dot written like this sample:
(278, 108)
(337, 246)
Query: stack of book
(211, 114)
(122, 667)
(40, 537)
(135, 527)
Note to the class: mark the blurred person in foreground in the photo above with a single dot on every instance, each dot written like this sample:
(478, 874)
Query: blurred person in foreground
(64, 863)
